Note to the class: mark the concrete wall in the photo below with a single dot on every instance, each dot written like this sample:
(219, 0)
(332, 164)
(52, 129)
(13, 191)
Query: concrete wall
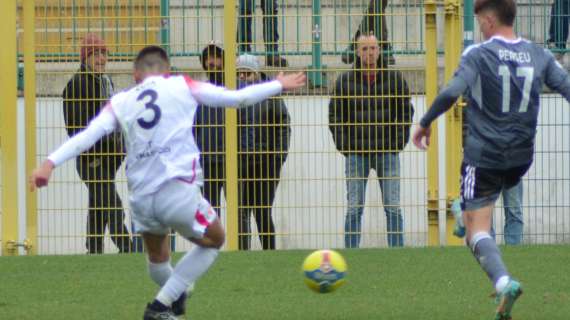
(310, 204)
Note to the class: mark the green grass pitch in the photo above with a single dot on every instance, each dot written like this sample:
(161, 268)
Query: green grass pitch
(425, 283)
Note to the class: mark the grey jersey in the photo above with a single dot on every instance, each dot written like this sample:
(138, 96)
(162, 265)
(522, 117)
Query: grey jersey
(504, 80)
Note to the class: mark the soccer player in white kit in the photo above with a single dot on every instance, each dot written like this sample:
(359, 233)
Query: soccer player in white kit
(163, 168)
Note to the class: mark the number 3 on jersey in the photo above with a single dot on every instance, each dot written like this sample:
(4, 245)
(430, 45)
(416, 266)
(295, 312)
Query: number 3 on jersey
(522, 72)
(149, 105)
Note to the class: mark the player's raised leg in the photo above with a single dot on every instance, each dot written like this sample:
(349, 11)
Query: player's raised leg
(485, 250)
(191, 267)
(181, 206)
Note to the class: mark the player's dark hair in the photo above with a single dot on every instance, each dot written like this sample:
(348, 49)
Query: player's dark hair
(150, 50)
(505, 10)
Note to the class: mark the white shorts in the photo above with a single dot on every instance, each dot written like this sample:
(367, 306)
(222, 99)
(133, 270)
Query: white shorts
(177, 205)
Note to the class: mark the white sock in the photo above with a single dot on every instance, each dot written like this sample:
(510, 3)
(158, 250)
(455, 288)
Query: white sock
(502, 283)
(193, 265)
(160, 272)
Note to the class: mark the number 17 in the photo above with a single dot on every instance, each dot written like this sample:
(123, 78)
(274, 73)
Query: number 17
(522, 72)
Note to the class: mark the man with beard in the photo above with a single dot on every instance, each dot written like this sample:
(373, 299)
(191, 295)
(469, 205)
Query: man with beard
(263, 143)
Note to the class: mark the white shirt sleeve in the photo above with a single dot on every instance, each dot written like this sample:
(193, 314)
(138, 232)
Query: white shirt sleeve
(213, 96)
(100, 126)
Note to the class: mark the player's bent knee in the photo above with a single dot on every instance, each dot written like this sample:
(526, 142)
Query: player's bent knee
(215, 234)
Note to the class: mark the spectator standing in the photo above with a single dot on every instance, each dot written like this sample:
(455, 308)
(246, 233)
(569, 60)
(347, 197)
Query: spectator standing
(263, 134)
(558, 31)
(270, 32)
(512, 203)
(370, 115)
(373, 22)
(209, 129)
(83, 97)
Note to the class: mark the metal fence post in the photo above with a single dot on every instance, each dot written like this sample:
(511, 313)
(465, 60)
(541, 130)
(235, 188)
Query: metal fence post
(431, 74)
(468, 23)
(316, 75)
(230, 46)
(30, 116)
(454, 118)
(165, 43)
(165, 24)
(8, 129)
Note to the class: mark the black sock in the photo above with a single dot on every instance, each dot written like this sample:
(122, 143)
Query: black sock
(158, 306)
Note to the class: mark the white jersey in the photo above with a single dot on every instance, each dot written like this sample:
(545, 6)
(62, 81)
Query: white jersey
(156, 118)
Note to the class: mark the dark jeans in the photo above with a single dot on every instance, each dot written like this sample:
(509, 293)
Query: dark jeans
(374, 21)
(214, 180)
(259, 178)
(105, 206)
(270, 34)
(560, 18)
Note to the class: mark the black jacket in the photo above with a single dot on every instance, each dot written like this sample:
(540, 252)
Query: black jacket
(209, 127)
(264, 126)
(84, 96)
(261, 127)
(370, 116)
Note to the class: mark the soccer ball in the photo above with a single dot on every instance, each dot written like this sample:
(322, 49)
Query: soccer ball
(324, 271)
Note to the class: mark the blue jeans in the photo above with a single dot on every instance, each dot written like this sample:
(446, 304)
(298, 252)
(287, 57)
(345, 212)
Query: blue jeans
(512, 202)
(387, 166)
(559, 20)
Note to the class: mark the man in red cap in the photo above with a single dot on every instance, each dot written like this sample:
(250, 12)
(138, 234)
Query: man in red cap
(83, 97)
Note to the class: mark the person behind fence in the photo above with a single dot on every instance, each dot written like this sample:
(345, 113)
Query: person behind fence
(263, 141)
(270, 30)
(209, 129)
(370, 115)
(83, 97)
(558, 31)
(374, 21)
(514, 224)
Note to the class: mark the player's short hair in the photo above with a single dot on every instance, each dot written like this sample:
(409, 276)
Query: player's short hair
(150, 50)
(505, 10)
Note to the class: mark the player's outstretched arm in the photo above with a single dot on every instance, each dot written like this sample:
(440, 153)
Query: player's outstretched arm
(556, 77)
(443, 102)
(103, 124)
(214, 96)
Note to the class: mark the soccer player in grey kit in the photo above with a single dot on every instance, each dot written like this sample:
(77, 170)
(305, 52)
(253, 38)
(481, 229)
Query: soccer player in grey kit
(501, 80)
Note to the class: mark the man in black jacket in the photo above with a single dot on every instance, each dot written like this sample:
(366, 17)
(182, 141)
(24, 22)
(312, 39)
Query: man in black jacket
(370, 115)
(209, 129)
(263, 143)
(83, 97)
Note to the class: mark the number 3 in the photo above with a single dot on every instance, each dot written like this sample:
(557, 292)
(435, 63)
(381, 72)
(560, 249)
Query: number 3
(149, 105)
